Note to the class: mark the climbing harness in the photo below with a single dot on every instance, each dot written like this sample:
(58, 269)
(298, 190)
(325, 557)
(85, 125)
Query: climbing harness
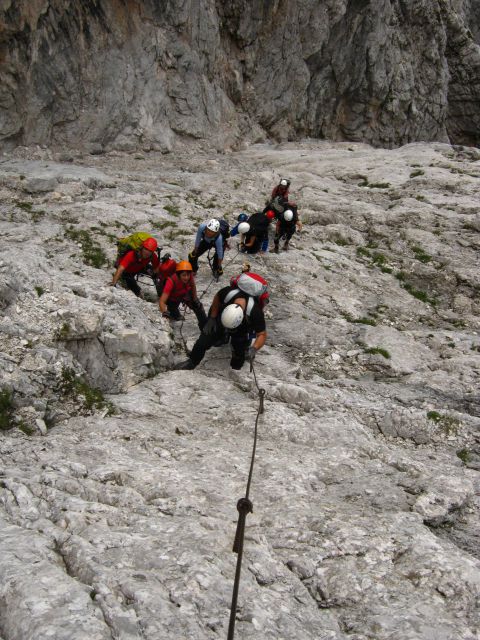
(150, 282)
(244, 507)
(211, 264)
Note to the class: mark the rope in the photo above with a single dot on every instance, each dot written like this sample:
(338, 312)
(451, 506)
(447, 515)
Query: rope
(150, 283)
(185, 311)
(215, 278)
(244, 507)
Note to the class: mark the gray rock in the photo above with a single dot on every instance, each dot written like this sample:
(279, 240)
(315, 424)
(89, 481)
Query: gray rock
(383, 74)
(365, 483)
(39, 185)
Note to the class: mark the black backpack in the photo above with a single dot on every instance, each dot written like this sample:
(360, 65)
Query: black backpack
(224, 229)
(258, 224)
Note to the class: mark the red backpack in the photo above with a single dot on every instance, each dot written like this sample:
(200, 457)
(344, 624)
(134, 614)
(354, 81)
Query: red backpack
(253, 285)
(167, 267)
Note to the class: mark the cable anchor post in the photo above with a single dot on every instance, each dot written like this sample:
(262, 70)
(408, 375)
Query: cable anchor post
(261, 393)
(244, 507)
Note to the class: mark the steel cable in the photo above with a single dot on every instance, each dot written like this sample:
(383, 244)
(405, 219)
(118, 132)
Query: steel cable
(244, 507)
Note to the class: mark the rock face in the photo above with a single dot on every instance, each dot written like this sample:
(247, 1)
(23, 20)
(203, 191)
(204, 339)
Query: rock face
(367, 478)
(110, 74)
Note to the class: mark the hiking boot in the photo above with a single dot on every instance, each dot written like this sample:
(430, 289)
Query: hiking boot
(275, 249)
(285, 246)
(185, 365)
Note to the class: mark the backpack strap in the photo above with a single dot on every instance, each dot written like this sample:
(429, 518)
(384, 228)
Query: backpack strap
(231, 294)
(138, 256)
(250, 300)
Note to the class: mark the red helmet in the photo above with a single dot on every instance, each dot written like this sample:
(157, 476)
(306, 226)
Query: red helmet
(150, 244)
(270, 215)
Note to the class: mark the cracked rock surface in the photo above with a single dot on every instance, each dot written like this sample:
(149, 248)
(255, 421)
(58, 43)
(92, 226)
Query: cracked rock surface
(119, 476)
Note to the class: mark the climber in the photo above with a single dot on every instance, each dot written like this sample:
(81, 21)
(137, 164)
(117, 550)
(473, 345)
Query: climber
(213, 233)
(256, 239)
(143, 261)
(287, 222)
(242, 218)
(234, 314)
(279, 197)
(281, 189)
(241, 229)
(181, 288)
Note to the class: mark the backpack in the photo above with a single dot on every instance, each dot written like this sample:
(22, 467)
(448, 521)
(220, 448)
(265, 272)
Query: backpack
(279, 204)
(258, 225)
(253, 285)
(224, 229)
(132, 242)
(168, 267)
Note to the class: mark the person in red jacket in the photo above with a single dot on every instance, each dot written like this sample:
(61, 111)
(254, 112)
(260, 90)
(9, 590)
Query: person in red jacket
(281, 189)
(135, 262)
(181, 288)
(279, 198)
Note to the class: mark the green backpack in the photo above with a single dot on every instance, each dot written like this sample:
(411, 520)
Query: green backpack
(133, 241)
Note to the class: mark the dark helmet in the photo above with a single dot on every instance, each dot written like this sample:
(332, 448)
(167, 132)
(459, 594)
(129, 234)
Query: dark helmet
(242, 217)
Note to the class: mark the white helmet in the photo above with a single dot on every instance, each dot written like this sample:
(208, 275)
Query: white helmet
(288, 215)
(232, 316)
(213, 225)
(284, 182)
(243, 227)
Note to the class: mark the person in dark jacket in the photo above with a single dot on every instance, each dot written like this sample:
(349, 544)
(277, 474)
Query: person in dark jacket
(287, 223)
(236, 315)
(256, 239)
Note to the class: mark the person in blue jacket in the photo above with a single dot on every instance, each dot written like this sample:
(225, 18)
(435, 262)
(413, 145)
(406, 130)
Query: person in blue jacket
(242, 217)
(209, 235)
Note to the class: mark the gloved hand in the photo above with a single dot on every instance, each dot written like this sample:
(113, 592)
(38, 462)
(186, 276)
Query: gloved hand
(210, 326)
(166, 314)
(252, 352)
(219, 271)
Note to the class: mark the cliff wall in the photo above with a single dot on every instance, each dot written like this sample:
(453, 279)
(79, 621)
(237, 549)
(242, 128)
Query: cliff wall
(129, 74)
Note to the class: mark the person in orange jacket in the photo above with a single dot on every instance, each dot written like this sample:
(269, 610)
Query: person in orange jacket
(179, 288)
